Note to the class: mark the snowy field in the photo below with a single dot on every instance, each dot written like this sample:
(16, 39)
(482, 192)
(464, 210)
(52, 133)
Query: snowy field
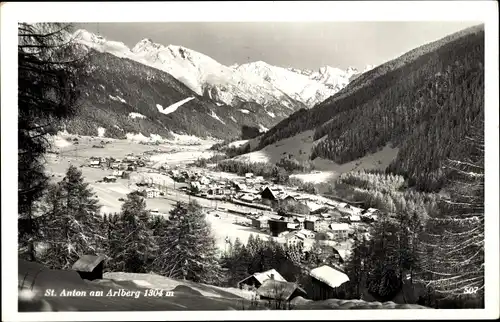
(300, 145)
(231, 226)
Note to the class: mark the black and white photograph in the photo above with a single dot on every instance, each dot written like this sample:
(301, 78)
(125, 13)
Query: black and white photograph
(268, 160)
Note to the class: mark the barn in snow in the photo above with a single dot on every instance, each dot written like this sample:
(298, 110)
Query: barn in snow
(89, 267)
(327, 283)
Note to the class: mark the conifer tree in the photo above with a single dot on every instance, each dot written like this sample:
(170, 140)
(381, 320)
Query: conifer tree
(71, 225)
(188, 247)
(48, 70)
(133, 242)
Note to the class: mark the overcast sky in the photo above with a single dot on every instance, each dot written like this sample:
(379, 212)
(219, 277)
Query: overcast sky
(301, 45)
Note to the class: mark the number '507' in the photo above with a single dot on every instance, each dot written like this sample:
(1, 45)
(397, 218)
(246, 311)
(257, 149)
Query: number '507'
(471, 290)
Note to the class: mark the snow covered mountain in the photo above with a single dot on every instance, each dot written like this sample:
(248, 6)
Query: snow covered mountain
(256, 82)
(305, 86)
(200, 73)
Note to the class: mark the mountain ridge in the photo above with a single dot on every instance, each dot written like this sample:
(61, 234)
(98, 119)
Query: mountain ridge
(233, 84)
(424, 102)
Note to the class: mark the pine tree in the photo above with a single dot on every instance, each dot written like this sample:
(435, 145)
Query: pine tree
(47, 75)
(187, 248)
(135, 246)
(71, 225)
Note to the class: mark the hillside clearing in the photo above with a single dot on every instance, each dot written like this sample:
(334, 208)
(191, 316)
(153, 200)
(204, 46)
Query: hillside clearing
(299, 147)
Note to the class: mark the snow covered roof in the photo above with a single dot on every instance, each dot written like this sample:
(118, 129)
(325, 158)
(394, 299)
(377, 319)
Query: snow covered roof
(371, 210)
(344, 253)
(306, 232)
(339, 226)
(312, 218)
(247, 197)
(313, 206)
(342, 205)
(354, 218)
(330, 276)
(87, 263)
(356, 210)
(279, 290)
(264, 276)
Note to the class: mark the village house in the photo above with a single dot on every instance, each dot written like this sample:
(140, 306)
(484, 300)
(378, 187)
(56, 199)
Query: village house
(330, 235)
(109, 179)
(269, 194)
(280, 292)
(327, 283)
(95, 164)
(89, 267)
(118, 173)
(259, 179)
(354, 218)
(283, 234)
(248, 175)
(152, 193)
(339, 231)
(204, 180)
(277, 226)
(321, 225)
(307, 233)
(309, 222)
(292, 226)
(260, 222)
(114, 165)
(240, 186)
(257, 279)
(325, 215)
(294, 239)
(196, 185)
(299, 221)
(247, 198)
(313, 206)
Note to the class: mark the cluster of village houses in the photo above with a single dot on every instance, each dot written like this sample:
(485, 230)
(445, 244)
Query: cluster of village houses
(269, 285)
(326, 282)
(335, 221)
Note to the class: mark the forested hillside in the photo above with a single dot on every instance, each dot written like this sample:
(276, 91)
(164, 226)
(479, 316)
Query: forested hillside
(424, 103)
(112, 88)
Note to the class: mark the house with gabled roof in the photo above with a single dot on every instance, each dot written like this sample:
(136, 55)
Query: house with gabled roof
(279, 291)
(269, 194)
(257, 279)
(327, 282)
(89, 267)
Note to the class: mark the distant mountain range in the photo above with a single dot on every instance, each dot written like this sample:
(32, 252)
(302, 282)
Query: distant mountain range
(154, 89)
(256, 82)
